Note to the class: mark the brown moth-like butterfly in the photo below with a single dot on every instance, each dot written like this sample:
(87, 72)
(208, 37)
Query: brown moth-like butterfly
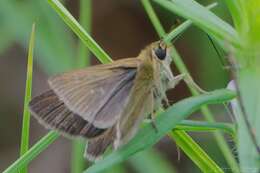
(106, 103)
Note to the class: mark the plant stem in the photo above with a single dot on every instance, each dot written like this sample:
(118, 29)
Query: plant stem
(85, 22)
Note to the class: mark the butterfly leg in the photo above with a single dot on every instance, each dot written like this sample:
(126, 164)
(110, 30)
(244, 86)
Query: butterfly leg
(151, 114)
(152, 121)
(188, 80)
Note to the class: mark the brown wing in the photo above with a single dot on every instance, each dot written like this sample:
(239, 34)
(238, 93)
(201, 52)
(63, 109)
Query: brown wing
(98, 94)
(52, 113)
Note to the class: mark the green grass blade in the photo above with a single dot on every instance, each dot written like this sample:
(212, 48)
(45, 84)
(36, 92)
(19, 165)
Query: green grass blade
(202, 126)
(193, 150)
(147, 136)
(203, 18)
(79, 31)
(205, 110)
(235, 11)
(33, 152)
(182, 27)
(28, 93)
(154, 18)
(78, 162)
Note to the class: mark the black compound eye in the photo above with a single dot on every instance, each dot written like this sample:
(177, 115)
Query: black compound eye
(160, 53)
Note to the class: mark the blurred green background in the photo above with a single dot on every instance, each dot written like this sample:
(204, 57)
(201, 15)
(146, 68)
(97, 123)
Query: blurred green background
(122, 28)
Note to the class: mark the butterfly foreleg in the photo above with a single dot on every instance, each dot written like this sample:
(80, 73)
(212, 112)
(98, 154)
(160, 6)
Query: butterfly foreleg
(188, 80)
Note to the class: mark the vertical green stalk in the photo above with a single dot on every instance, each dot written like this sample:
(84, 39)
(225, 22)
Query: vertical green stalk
(85, 16)
(183, 69)
(78, 162)
(26, 113)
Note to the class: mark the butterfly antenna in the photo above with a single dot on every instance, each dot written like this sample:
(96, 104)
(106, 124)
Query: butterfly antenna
(220, 56)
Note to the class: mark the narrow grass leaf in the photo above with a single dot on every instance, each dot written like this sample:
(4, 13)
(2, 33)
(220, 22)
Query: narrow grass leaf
(79, 31)
(166, 121)
(202, 126)
(78, 162)
(193, 150)
(26, 113)
(203, 18)
(33, 152)
(153, 17)
(85, 21)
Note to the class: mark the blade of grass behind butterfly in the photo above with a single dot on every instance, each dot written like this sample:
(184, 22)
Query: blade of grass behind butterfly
(183, 69)
(78, 162)
(26, 113)
(79, 31)
(165, 122)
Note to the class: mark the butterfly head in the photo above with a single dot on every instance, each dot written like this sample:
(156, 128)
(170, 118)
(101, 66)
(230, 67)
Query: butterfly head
(161, 55)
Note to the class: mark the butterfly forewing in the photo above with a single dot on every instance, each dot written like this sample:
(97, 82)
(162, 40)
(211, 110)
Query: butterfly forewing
(88, 92)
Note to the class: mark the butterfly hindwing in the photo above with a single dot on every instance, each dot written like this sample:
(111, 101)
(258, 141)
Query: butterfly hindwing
(53, 114)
